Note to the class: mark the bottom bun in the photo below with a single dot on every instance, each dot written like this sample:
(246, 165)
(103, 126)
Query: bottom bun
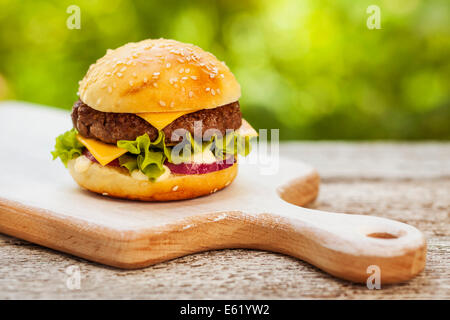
(117, 182)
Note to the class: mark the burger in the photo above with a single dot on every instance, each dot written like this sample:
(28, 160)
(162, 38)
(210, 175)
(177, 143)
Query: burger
(156, 120)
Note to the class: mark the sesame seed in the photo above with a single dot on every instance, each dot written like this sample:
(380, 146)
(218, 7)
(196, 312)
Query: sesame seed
(176, 85)
(193, 77)
(218, 91)
(155, 74)
(131, 83)
(184, 78)
(187, 70)
(145, 79)
(123, 69)
(183, 89)
(155, 84)
(175, 188)
(172, 104)
(222, 76)
(212, 75)
(119, 74)
(162, 103)
(207, 89)
(108, 73)
(168, 65)
(213, 92)
(191, 94)
(181, 70)
(180, 60)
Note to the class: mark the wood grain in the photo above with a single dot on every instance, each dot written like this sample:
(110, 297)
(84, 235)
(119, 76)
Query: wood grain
(250, 214)
(31, 271)
(410, 184)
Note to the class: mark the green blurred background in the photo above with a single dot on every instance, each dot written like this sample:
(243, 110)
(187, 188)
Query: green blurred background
(309, 67)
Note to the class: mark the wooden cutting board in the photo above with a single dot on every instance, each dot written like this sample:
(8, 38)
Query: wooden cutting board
(40, 202)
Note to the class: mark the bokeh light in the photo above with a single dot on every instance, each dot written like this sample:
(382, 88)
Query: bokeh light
(309, 67)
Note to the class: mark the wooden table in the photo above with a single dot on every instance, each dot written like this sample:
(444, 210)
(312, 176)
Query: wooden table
(407, 182)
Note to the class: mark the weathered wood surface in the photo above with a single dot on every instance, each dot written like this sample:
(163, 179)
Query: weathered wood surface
(406, 182)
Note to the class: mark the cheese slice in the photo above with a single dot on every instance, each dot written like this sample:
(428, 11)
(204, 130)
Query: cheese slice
(246, 130)
(102, 152)
(161, 119)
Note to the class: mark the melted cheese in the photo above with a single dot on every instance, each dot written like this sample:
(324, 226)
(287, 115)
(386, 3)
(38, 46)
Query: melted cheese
(102, 152)
(161, 119)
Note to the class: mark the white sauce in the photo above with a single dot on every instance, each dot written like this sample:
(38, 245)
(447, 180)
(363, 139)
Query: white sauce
(203, 157)
(139, 175)
(165, 175)
(82, 164)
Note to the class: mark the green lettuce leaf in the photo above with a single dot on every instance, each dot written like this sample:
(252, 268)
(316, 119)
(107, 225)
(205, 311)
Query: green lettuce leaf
(231, 144)
(149, 156)
(67, 146)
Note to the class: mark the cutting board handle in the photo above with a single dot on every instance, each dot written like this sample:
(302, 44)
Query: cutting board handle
(349, 246)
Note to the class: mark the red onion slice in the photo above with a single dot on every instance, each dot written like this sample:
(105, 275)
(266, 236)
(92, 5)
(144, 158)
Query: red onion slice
(200, 168)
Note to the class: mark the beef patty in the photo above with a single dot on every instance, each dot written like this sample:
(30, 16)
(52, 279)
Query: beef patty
(110, 127)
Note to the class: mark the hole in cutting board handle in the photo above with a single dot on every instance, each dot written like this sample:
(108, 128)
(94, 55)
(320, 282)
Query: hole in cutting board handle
(383, 235)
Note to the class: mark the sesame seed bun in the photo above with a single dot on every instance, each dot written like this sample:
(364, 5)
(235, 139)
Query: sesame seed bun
(158, 76)
(116, 182)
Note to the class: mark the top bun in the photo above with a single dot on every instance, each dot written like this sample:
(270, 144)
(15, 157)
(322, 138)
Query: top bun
(158, 76)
